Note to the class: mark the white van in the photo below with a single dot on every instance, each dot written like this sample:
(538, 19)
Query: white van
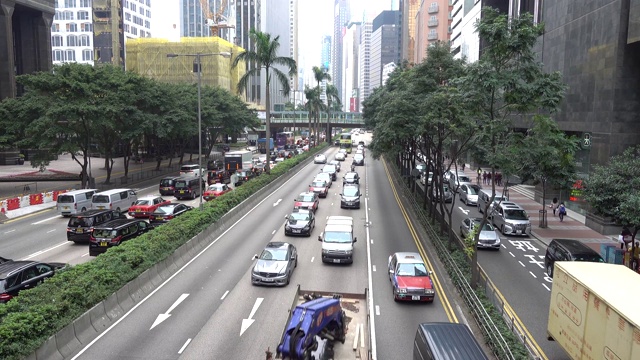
(73, 202)
(116, 199)
(337, 240)
(483, 199)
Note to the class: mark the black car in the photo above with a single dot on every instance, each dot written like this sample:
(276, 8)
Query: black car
(568, 250)
(350, 197)
(275, 264)
(300, 222)
(80, 225)
(167, 185)
(167, 212)
(4, 260)
(16, 276)
(351, 177)
(244, 175)
(115, 233)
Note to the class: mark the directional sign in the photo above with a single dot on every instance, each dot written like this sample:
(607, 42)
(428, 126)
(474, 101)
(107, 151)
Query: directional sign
(247, 322)
(465, 211)
(277, 202)
(166, 315)
(586, 141)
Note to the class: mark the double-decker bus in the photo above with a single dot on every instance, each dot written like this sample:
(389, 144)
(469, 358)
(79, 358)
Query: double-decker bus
(284, 138)
(345, 142)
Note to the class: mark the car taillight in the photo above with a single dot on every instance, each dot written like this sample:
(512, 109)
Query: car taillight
(69, 229)
(91, 238)
(5, 297)
(75, 206)
(246, 178)
(116, 239)
(169, 217)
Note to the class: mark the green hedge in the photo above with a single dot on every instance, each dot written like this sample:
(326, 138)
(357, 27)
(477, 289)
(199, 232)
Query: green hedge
(28, 320)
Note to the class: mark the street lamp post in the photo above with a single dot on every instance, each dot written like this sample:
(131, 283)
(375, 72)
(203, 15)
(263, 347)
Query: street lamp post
(199, 70)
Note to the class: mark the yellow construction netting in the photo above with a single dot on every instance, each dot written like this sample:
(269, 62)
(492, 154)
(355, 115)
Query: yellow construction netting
(148, 57)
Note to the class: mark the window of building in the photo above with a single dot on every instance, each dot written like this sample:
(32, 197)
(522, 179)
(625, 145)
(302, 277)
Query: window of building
(72, 40)
(86, 27)
(127, 16)
(85, 3)
(141, 11)
(148, 13)
(72, 27)
(58, 55)
(147, 24)
(126, 27)
(67, 15)
(85, 40)
(69, 55)
(83, 15)
(125, 4)
(56, 40)
(87, 55)
(148, 3)
(70, 3)
(57, 16)
(133, 7)
(134, 30)
(55, 28)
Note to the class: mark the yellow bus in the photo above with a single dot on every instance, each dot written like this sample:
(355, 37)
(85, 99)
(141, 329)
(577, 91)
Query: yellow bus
(345, 142)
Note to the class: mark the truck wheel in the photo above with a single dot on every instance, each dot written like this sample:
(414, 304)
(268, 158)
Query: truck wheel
(550, 270)
(118, 210)
(83, 209)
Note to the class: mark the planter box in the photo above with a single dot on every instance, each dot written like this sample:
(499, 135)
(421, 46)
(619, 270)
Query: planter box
(605, 226)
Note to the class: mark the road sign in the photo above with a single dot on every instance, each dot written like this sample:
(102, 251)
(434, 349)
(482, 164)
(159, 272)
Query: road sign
(586, 141)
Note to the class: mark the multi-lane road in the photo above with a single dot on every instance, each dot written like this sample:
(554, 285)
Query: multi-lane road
(210, 310)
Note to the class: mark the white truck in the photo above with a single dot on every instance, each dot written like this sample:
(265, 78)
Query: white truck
(235, 160)
(594, 311)
(324, 325)
(337, 240)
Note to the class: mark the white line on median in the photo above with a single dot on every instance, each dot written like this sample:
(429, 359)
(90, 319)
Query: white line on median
(521, 263)
(10, 231)
(511, 254)
(44, 251)
(374, 268)
(47, 219)
(50, 231)
(372, 323)
(184, 346)
(313, 257)
(546, 287)
(378, 310)
(532, 274)
(225, 295)
(273, 232)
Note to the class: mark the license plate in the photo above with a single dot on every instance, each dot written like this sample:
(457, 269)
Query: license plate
(268, 280)
(137, 210)
(166, 188)
(518, 232)
(103, 243)
(158, 217)
(415, 297)
(181, 191)
(296, 230)
(79, 231)
(336, 260)
(101, 207)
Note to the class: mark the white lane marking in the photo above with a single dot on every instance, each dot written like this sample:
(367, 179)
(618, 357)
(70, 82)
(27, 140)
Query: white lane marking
(50, 231)
(164, 316)
(545, 286)
(313, 257)
(511, 254)
(225, 295)
(532, 274)
(87, 254)
(374, 268)
(465, 211)
(277, 202)
(372, 323)
(45, 250)
(247, 322)
(47, 219)
(184, 346)
(504, 247)
(10, 231)
(273, 232)
(521, 263)
(180, 270)
(371, 241)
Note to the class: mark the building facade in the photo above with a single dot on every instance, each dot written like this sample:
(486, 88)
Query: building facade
(385, 44)
(364, 58)
(341, 16)
(464, 38)
(409, 10)
(25, 41)
(193, 18)
(325, 53)
(248, 16)
(350, 51)
(433, 23)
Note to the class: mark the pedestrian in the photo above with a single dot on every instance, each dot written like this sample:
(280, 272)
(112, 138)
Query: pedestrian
(562, 211)
(554, 205)
(499, 179)
(624, 237)
(489, 178)
(479, 176)
(485, 178)
(463, 165)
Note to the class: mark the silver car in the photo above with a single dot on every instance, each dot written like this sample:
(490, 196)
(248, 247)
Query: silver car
(275, 264)
(469, 194)
(489, 237)
(511, 219)
(335, 163)
(447, 196)
(341, 156)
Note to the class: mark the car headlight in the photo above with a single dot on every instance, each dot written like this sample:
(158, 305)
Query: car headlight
(429, 291)
(348, 252)
(402, 291)
(325, 251)
(306, 227)
(508, 227)
(287, 227)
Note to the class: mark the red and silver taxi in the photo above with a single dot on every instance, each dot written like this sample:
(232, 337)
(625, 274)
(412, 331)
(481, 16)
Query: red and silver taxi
(319, 187)
(215, 190)
(307, 200)
(410, 279)
(145, 206)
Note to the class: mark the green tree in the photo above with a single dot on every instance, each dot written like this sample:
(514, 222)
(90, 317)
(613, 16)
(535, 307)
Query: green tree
(333, 98)
(313, 97)
(265, 56)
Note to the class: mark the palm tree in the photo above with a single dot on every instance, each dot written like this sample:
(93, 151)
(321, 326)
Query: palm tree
(265, 56)
(320, 74)
(332, 96)
(314, 105)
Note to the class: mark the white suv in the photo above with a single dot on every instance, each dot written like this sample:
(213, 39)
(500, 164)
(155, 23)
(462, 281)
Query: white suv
(511, 219)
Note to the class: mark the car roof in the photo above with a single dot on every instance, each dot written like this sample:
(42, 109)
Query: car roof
(169, 205)
(301, 211)
(307, 193)
(90, 213)
(409, 257)
(277, 245)
(10, 267)
(114, 224)
(575, 246)
(337, 228)
(150, 197)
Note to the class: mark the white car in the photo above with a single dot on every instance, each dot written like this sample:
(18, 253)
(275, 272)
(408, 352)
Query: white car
(340, 156)
(326, 177)
(320, 159)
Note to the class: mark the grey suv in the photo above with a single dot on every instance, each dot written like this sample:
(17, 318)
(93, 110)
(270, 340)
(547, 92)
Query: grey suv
(511, 219)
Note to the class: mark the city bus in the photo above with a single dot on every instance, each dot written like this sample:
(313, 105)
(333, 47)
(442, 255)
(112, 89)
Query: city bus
(345, 142)
(284, 138)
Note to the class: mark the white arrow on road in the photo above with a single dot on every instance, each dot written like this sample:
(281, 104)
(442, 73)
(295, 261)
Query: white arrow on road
(277, 202)
(247, 322)
(465, 211)
(165, 316)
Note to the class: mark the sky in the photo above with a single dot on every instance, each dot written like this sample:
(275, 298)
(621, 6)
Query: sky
(315, 21)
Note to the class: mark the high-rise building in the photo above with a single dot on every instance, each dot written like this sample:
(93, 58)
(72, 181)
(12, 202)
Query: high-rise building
(248, 17)
(364, 59)
(350, 82)
(193, 20)
(341, 16)
(325, 55)
(385, 44)
(409, 10)
(280, 18)
(25, 41)
(433, 23)
(464, 38)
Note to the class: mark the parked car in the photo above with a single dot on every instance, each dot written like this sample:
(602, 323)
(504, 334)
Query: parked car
(300, 222)
(446, 195)
(275, 264)
(484, 197)
(335, 163)
(489, 237)
(145, 206)
(344, 152)
(469, 194)
(115, 233)
(426, 179)
(165, 213)
(320, 159)
(215, 190)
(319, 187)
(73, 202)
(410, 279)
(244, 175)
(80, 225)
(191, 170)
(456, 179)
(351, 177)
(16, 276)
(568, 250)
(307, 200)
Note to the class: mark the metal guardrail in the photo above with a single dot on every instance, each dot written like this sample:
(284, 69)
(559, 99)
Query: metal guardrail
(482, 317)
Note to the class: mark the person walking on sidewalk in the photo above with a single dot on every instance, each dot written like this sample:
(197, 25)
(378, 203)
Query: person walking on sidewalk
(479, 176)
(562, 211)
(554, 205)
(484, 178)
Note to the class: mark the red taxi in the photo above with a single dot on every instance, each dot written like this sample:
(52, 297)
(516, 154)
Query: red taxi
(145, 206)
(319, 187)
(215, 190)
(307, 200)
(410, 279)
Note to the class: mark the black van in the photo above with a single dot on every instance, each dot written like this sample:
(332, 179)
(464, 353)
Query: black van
(167, 185)
(440, 341)
(568, 250)
(114, 233)
(188, 187)
(81, 224)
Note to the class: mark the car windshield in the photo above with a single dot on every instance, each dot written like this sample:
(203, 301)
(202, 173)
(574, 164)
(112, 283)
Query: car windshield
(274, 254)
(83, 221)
(329, 168)
(350, 191)
(463, 178)
(318, 184)
(588, 257)
(65, 199)
(473, 190)
(358, 156)
(406, 269)
(166, 182)
(104, 233)
(498, 199)
(486, 227)
(181, 184)
(143, 202)
(515, 214)
(215, 187)
(299, 216)
(188, 168)
(337, 237)
(165, 209)
(305, 198)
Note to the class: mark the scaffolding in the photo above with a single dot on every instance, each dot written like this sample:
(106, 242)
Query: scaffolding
(148, 57)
